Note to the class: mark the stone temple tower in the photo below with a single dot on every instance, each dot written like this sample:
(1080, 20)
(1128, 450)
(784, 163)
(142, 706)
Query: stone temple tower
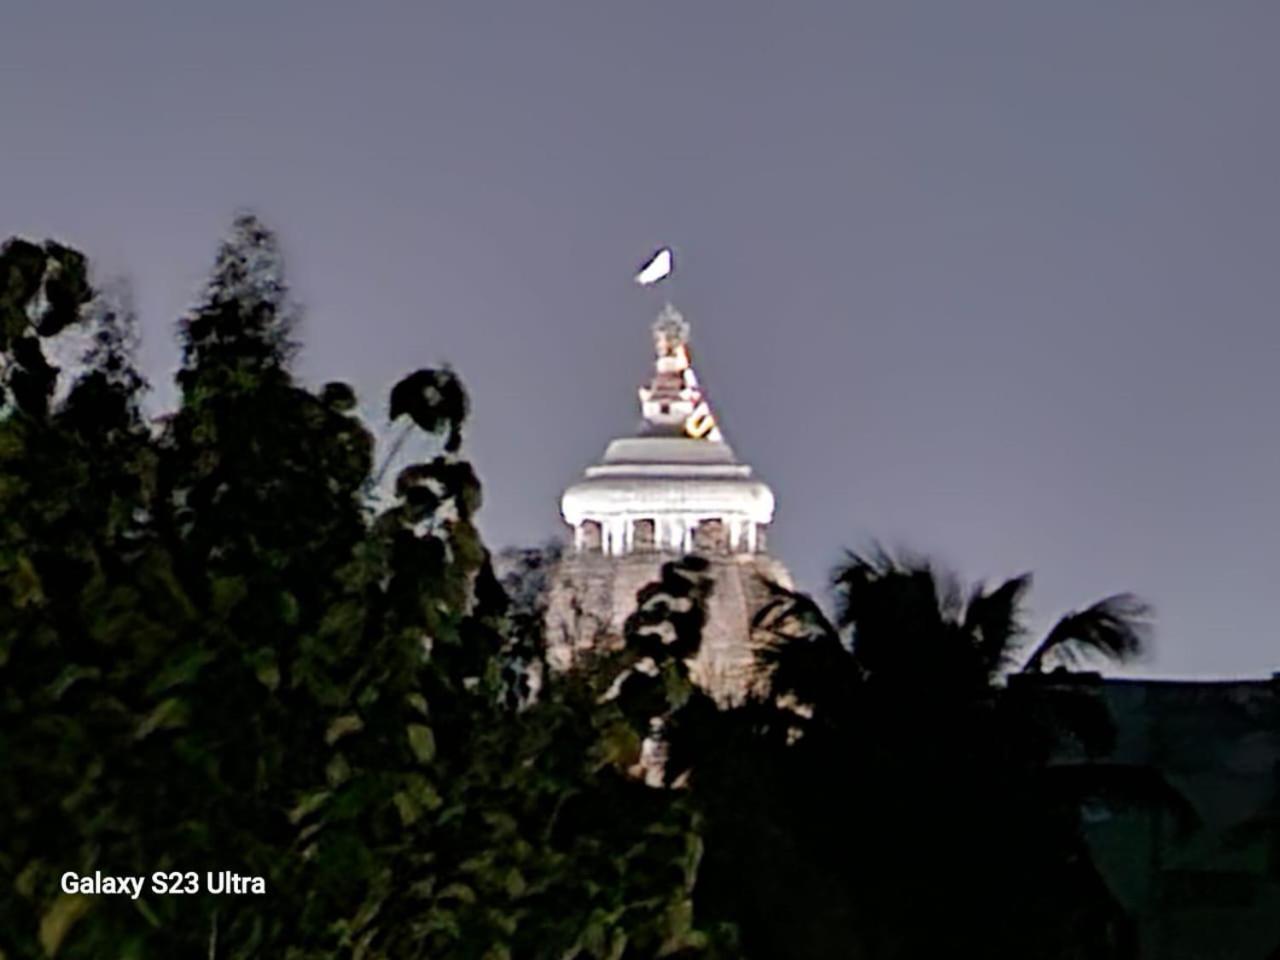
(674, 488)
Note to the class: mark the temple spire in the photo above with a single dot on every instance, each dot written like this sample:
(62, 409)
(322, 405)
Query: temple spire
(674, 489)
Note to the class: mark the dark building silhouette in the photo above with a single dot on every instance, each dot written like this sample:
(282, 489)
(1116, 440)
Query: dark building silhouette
(1197, 868)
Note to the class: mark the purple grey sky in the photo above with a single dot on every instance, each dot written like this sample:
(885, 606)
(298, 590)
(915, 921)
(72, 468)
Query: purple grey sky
(993, 280)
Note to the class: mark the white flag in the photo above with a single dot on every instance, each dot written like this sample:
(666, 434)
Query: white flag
(659, 266)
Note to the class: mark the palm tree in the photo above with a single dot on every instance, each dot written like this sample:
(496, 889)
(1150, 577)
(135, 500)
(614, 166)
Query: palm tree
(904, 620)
(912, 750)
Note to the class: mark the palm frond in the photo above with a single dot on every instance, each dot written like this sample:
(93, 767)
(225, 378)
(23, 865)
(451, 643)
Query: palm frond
(1116, 628)
(901, 612)
(790, 614)
(993, 620)
(799, 649)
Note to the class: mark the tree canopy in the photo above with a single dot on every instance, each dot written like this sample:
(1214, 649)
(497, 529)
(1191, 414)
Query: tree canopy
(219, 652)
(216, 654)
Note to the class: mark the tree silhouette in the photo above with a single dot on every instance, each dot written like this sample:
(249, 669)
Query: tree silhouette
(216, 654)
(890, 790)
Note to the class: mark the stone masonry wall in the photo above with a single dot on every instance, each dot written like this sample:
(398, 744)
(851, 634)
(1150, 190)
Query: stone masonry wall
(592, 595)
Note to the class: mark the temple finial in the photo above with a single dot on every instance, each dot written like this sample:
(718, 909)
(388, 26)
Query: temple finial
(670, 331)
(673, 401)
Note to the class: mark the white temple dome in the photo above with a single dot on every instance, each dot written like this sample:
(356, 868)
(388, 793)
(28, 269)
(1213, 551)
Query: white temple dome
(677, 486)
(654, 449)
(649, 496)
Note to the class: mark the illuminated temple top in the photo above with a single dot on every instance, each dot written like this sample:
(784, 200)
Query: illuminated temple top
(676, 486)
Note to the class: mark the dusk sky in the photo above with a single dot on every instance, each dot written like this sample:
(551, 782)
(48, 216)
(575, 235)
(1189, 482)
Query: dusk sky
(995, 281)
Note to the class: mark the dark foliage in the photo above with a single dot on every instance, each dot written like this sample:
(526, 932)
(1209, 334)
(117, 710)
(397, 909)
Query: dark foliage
(889, 797)
(216, 653)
